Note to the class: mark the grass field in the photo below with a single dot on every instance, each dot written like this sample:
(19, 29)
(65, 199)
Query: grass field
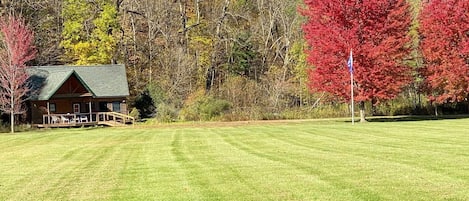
(310, 160)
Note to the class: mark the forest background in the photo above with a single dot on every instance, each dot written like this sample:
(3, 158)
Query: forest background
(202, 59)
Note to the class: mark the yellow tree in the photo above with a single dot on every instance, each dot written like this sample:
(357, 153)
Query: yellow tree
(89, 31)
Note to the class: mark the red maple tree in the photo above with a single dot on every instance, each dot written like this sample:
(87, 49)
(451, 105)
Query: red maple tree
(16, 49)
(376, 30)
(444, 28)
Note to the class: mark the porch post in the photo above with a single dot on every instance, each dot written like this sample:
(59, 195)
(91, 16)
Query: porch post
(48, 113)
(91, 115)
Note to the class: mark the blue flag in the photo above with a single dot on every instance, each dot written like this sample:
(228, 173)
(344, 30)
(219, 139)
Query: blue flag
(350, 62)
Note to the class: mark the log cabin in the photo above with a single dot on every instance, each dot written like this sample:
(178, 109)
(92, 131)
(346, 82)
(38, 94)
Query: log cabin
(69, 96)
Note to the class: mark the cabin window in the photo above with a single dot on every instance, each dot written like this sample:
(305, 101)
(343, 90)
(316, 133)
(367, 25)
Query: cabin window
(76, 108)
(116, 106)
(52, 107)
(103, 107)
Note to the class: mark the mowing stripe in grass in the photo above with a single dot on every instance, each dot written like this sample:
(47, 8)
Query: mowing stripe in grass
(147, 172)
(92, 163)
(284, 169)
(272, 150)
(197, 152)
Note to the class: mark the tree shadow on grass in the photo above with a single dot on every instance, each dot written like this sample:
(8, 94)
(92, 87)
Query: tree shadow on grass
(416, 118)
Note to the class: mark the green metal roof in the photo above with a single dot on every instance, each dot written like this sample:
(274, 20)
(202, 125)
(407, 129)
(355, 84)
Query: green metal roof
(102, 80)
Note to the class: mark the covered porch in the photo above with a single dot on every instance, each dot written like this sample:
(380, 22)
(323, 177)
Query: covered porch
(80, 111)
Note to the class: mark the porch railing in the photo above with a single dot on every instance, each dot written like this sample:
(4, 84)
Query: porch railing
(59, 118)
(113, 118)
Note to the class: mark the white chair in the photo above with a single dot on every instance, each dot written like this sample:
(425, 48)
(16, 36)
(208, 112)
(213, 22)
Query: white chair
(83, 118)
(54, 119)
(65, 119)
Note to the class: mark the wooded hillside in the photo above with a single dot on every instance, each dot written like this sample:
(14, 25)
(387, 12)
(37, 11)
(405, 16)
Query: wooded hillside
(193, 59)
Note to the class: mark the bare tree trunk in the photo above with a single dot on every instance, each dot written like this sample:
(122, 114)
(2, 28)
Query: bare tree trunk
(150, 51)
(361, 105)
(149, 15)
(12, 114)
(216, 44)
(134, 37)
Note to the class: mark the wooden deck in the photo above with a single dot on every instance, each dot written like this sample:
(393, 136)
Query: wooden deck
(85, 120)
(66, 125)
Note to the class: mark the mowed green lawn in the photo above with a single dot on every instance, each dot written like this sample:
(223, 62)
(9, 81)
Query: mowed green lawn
(310, 160)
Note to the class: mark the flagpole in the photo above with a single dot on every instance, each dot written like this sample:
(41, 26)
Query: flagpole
(351, 86)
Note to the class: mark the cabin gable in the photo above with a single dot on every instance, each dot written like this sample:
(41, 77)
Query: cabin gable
(72, 87)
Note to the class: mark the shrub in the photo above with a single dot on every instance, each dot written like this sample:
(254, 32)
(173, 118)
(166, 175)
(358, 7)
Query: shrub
(5, 128)
(401, 106)
(135, 113)
(202, 107)
(211, 108)
(166, 113)
(321, 111)
(149, 99)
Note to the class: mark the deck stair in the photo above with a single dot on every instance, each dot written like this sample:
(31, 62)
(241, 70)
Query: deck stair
(114, 119)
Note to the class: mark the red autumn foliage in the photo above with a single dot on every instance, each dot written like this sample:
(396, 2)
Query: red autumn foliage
(16, 49)
(444, 28)
(376, 30)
